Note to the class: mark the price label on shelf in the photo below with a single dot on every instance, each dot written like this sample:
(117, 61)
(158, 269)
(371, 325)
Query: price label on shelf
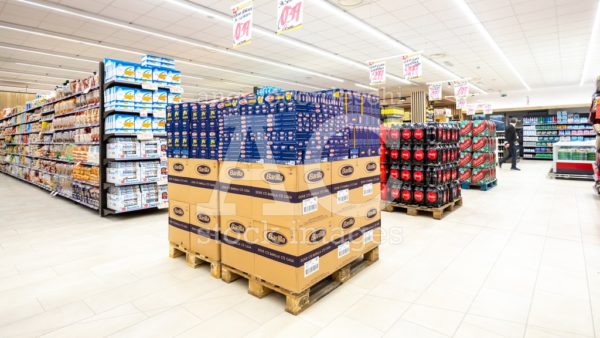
(150, 86)
(161, 114)
(163, 180)
(144, 113)
(176, 89)
(145, 136)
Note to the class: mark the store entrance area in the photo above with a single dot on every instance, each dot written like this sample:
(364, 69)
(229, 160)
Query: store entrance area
(520, 260)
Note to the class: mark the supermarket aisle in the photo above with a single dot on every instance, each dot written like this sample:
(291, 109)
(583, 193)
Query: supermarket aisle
(522, 260)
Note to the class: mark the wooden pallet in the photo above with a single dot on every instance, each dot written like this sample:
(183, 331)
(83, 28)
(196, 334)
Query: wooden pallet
(296, 302)
(194, 260)
(413, 210)
(483, 186)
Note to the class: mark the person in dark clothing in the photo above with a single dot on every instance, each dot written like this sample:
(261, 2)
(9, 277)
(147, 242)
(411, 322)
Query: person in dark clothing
(511, 139)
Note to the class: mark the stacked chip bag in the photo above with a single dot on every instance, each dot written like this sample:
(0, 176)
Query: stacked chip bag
(478, 157)
(419, 164)
(283, 186)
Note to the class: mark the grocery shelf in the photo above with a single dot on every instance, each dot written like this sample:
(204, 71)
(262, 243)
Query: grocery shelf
(133, 159)
(126, 210)
(132, 84)
(124, 111)
(78, 127)
(575, 161)
(109, 184)
(78, 110)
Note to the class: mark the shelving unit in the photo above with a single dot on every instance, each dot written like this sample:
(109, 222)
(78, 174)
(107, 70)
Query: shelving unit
(540, 135)
(574, 160)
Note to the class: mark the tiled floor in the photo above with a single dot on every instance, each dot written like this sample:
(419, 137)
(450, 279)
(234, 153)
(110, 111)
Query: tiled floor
(521, 260)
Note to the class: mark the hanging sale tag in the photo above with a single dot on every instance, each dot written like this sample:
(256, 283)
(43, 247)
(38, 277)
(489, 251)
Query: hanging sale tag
(487, 109)
(461, 103)
(290, 15)
(461, 88)
(377, 73)
(471, 109)
(435, 91)
(242, 23)
(413, 68)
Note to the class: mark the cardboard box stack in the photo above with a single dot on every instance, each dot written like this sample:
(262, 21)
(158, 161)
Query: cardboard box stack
(284, 186)
(477, 152)
(419, 164)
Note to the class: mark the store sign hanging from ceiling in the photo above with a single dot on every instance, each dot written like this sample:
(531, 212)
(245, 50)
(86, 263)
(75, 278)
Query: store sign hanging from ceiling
(471, 108)
(461, 88)
(487, 109)
(242, 23)
(377, 72)
(290, 15)
(435, 91)
(413, 68)
(461, 103)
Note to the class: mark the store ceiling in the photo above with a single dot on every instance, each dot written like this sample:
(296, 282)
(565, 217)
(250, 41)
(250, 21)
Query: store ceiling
(542, 43)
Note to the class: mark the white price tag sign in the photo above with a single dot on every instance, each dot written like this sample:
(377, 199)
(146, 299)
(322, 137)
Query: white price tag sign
(290, 15)
(149, 86)
(343, 196)
(144, 113)
(176, 89)
(311, 266)
(145, 136)
(461, 88)
(461, 103)
(310, 205)
(368, 189)
(368, 237)
(413, 68)
(377, 72)
(162, 180)
(343, 249)
(435, 91)
(242, 23)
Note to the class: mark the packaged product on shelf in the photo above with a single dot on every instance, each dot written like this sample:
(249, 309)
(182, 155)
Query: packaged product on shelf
(120, 123)
(143, 99)
(159, 125)
(149, 171)
(174, 98)
(143, 124)
(122, 148)
(118, 70)
(149, 195)
(124, 198)
(122, 172)
(160, 99)
(160, 75)
(143, 74)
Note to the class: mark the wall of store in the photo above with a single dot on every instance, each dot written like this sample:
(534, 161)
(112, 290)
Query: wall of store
(13, 99)
(555, 97)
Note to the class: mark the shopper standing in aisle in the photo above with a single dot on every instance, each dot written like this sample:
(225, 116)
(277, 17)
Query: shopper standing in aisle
(511, 139)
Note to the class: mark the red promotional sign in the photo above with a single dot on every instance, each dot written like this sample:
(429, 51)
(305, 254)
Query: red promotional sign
(377, 73)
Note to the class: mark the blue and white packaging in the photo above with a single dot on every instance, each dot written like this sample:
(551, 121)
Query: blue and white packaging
(119, 70)
(143, 99)
(173, 77)
(143, 124)
(143, 74)
(160, 75)
(159, 125)
(120, 123)
(174, 98)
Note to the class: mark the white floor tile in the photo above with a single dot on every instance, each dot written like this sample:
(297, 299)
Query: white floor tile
(479, 327)
(346, 327)
(228, 324)
(166, 324)
(438, 320)
(377, 312)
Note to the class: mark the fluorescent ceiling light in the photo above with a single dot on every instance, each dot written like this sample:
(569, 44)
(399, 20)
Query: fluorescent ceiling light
(590, 50)
(385, 37)
(30, 50)
(120, 49)
(366, 87)
(31, 74)
(55, 68)
(149, 31)
(473, 18)
(29, 82)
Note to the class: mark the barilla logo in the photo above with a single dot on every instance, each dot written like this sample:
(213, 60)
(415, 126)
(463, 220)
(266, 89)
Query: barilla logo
(276, 238)
(371, 166)
(317, 236)
(315, 176)
(235, 173)
(178, 211)
(372, 213)
(347, 170)
(348, 222)
(178, 167)
(203, 169)
(274, 177)
(203, 218)
(236, 227)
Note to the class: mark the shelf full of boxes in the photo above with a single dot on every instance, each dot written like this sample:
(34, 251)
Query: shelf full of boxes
(135, 100)
(540, 133)
(53, 143)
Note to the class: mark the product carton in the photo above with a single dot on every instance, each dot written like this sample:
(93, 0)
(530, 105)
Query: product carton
(204, 231)
(178, 170)
(367, 185)
(179, 224)
(291, 194)
(236, 196)
(344, 177)
(296, 257)
(238, 242)
(202, 178)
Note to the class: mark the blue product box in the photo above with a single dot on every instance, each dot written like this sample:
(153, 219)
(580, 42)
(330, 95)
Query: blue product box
(160, 75)
(118, 70)
(143, 74)
(143, 99)
(174, 98)
(143, 124)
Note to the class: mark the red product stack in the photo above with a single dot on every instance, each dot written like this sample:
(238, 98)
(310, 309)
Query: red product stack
(477, 144)
(419, 164)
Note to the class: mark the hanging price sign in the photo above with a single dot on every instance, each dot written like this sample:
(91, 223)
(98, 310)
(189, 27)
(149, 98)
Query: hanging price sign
(290, 15)
(242, 23)
(413, 68)
(471, 109)
(435, 91)
(487, 109)
(377, 73)
(461, 88)
(461, 103)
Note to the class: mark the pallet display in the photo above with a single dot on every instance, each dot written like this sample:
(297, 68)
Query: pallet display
(478, 154)
(541, 133)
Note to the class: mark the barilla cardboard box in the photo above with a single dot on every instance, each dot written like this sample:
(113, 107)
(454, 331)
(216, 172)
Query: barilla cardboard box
(294, 257)
(179, 224)
(368, 233)
(344, 176)
(204, 231)
(178, 170)
(367, 187)
(291, 194)
(238, 241)
(236, 196)
(203, 177)
(344, 221)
